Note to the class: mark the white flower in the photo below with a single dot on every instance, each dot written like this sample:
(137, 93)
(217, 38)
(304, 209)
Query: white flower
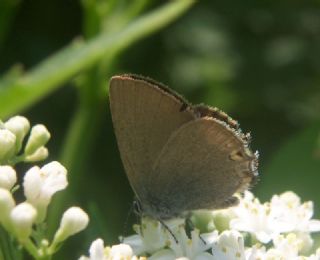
(7, 203)
(73, 221)
(39, 155)
(121, 251)
(194, 247)
(264, 223)
(151, 237)
(261, 220)
(283, 214)
(230, 245)
(39, 136)
(291, 210)
(22, 217)
(307, 241)
(163, 254)
(98, 251)
(154, 238)
(8, 177)
(256, 253)
(19, 126)
(41, 184)
(288, 246)
(284, 247)
(7, 144)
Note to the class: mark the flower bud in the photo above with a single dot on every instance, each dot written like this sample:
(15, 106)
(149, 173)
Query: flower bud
(73, 221)
(7, 144)
(222, 218)
(6, 205)
(39, 136)
(121, 251)
(19, 126)
(41, 184)
(229, 244)
(8, 177)
(39, 155)
(96, 251)
(22, 217)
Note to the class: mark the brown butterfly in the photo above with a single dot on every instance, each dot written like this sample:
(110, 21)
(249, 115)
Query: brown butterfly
(178, 157)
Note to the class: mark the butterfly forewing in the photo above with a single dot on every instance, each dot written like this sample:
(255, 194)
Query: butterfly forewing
(144, 116)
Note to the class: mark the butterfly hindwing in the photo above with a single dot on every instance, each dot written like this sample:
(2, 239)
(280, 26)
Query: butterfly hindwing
(201, 166)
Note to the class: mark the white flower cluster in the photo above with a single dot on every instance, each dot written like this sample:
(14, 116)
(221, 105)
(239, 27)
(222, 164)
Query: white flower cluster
(279, 229)
(12, 134)
(22, 220)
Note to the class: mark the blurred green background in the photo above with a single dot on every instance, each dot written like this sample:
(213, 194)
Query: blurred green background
(259, 61)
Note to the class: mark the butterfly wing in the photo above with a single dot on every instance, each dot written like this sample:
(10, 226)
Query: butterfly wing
(144, 115)
(201, 166)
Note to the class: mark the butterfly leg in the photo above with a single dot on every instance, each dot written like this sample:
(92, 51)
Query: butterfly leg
(192, 227)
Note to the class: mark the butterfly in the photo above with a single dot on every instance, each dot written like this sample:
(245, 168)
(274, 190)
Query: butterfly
(178, 157)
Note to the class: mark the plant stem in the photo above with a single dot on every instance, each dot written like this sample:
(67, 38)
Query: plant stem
(30, 247)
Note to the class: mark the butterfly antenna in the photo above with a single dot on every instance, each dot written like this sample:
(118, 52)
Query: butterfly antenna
(126, 223)
(168, 229)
